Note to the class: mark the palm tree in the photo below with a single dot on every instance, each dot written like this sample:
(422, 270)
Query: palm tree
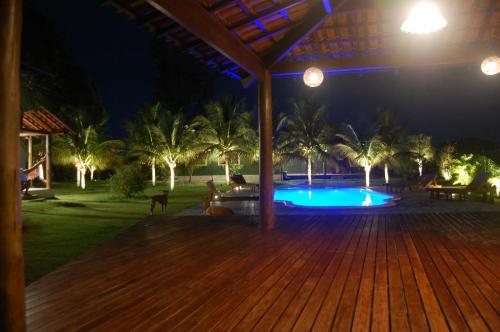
(390, 134)
(365, 153)
(307, 133)
(177, 139)
(225, 130)
(280, 123)
(144, 138)
(389, 152)
(445, 160)
(86, 150)
(421, 150)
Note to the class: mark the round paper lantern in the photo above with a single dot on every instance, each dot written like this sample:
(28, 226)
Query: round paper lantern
(313, 77)
(424, 17)
(491, 65)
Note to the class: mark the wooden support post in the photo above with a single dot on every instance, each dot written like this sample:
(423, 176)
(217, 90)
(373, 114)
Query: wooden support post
(12, 307)
(30, 151)
(48, 162)
(266, 152)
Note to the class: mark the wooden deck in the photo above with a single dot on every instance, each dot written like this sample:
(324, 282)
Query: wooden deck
(397, 272)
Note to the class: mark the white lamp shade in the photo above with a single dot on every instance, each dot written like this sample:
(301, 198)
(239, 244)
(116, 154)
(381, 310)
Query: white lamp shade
(491, 65)
(424, 17)
(313, 77)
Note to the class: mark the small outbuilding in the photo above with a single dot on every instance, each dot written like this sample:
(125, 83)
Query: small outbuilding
(40, 125)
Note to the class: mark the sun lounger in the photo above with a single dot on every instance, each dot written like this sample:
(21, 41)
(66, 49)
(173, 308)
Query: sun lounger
(215, 194)
(478, 185)
(424, 182)
(238, 181)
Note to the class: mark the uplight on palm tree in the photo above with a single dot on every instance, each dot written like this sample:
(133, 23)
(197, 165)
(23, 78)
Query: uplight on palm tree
(445, 160)
(177, 137)
(391, 135)
(421, 150)
(307, 134)
(145, 139)
(86, 150)
(225, 130)
(365, 153)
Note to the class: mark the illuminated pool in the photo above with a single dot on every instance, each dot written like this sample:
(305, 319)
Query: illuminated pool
(332, 197)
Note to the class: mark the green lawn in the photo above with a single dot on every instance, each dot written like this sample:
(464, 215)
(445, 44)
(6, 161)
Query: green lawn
(58, 230)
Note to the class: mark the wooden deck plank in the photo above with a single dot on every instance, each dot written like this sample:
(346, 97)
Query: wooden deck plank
(340, 272)
(172, 312)
(295, 273)
(346, 280)
(310, 310)
(451, 311)
(380, 311)
(296, 306)
(136, 291)
(235, 316)
(276, 250)
(483, 306)
(362, 305)
(272, 314)
(397, 296)
(431, 306)
(460, 296)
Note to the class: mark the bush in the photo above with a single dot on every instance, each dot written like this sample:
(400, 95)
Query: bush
(128, 181)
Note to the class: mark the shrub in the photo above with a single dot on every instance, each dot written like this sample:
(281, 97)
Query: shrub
(235, 169)
(466, 167)
(463, 169)
(128, 181)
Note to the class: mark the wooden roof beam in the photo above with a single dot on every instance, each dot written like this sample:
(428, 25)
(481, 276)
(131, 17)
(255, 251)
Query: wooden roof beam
(311, 21)
(221, 5)
(196, 19)
(263, 14)
(396, 58)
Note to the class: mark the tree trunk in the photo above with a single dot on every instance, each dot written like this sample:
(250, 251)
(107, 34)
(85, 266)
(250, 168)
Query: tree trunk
(420, 167)
(172, 177)
(78, 176)
(386, 172)
(367, 176)
(309, 170)
(226, 166)
(83, 170)
(153, 171)
(92, 170)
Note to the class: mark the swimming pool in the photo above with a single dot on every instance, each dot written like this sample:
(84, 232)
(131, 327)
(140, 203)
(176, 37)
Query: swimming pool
(332, 197)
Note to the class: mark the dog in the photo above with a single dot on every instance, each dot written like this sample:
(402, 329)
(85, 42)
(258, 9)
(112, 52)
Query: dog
(160, 199)
(215, 210)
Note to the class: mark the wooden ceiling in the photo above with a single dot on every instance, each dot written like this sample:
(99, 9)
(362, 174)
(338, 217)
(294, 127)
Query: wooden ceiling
(287, 36)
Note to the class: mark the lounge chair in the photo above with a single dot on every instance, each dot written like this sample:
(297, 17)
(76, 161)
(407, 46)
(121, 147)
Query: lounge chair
(478, 185)
(215, 194)
(424, 182)
(238, 181)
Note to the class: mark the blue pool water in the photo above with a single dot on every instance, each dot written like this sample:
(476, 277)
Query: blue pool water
(331, 197)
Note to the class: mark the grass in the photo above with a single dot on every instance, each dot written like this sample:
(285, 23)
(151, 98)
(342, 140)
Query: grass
(58, 230)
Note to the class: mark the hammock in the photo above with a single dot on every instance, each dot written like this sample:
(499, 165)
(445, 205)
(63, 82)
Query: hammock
(34, 171)
(30, 174)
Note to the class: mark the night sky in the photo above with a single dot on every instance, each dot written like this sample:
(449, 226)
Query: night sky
(445, 103)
